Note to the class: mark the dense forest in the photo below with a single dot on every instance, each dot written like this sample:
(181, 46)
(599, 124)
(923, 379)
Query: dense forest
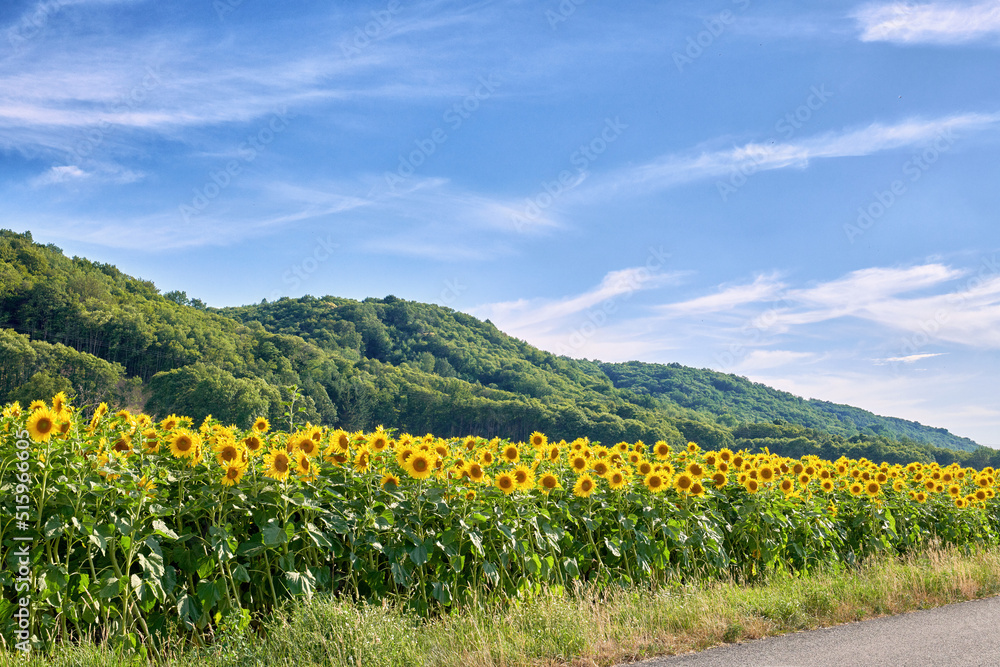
(87, 328)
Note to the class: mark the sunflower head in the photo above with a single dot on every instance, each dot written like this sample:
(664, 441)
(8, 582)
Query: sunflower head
(42, 424)
(538, 440)
(232, 475)
(506, 483)
(548, 482)
(584, 486)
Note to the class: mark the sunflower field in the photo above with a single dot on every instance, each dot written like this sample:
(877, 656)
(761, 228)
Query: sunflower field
(143, 528)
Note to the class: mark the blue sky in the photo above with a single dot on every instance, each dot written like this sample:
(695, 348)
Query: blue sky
(805, 194)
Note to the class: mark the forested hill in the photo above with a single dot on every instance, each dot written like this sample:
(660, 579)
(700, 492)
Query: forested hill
(713, 393)
(76, 325)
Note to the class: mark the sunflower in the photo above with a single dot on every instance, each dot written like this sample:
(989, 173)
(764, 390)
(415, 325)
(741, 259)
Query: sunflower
(804, 480)
(41, 424)
(486, 457)
(234, 474)
(683, 482)
(362, 461)
(403, 454)
(123, 444)
(510, 454)
(58, 401)
(420, 465)
(37, 405)
(389, 481)
(954, 490)
(584, 486)
(827, 486)
(600, 468)
(13, 410)
(253, 444)
(752, 486)
(303, 465)
(475, 472)
(981, 495)
(697, 490)
(554, 452)
(617, 480)
(662, 450)
(277, 464)
(261, 425)
(151, 441)
(695, 470)
(960, 502)
(719, 480)
(228, 453)
(506, 483)
(524, 477)
(921, 497)
(578, 463)
(856, 489)
(170, 422)
(548, 482)
(692, 448)
(538, 440)
(787, 486)
(765, 474)
(184, 443)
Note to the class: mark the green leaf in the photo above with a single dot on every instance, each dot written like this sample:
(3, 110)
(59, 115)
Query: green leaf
(209, 594)
(274, 535)
(111, 587)
(251, 547)
(400, 574)
(220, 541)
(572, 569)
(441, 592)
(187, 609)
(490, 572)
(240, 574)
(53, 527)
(300, 583)
(420, 555)
(163, 530)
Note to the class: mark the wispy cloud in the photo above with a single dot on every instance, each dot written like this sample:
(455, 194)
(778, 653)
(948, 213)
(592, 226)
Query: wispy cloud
(959, 306)
(679, 168)
(74, 175)
(909, 359)
(936, 22)
(728, 297)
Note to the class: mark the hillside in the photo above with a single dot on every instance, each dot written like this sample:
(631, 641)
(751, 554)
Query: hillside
(713, 393)
(86, 327)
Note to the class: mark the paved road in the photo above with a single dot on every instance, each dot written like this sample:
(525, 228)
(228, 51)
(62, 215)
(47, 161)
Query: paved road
(966, 634)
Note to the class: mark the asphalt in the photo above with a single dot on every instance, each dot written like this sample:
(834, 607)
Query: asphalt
(966, 634)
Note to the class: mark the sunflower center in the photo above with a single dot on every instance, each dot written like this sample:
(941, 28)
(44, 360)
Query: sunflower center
(281, 464)
(420, 464)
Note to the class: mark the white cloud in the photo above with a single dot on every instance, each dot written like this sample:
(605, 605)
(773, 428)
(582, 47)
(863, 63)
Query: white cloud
(679, 168)
(909, 359)
(936, 22)
(592, 323)
(762, 288)
(72, 174)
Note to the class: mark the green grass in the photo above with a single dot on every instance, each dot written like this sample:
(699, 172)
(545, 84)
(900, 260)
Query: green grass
(582, 628)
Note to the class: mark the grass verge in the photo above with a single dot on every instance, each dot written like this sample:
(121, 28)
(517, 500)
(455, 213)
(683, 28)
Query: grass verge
(585, 628)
